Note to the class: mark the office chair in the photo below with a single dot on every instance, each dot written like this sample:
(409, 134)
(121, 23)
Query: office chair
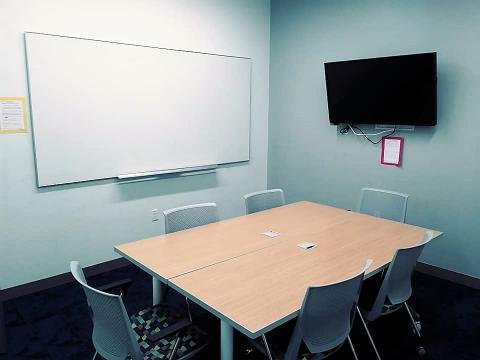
(383, 203)
(155, 333)
(263, 200)
(325, 319)
(395, 290)
(186, 217)
(120, 286)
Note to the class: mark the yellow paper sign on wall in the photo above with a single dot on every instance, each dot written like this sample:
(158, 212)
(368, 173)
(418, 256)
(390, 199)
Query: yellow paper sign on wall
(13, 115)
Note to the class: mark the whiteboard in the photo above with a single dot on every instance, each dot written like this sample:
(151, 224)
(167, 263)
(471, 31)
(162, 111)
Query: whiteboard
(102, 109)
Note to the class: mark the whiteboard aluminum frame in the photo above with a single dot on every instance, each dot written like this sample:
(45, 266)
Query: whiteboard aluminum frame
(182, 171)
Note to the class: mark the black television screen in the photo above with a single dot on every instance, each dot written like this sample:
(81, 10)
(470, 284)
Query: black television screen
(397, 90)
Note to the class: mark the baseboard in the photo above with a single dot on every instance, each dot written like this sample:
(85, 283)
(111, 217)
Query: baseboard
(44, 284)
(449, 275)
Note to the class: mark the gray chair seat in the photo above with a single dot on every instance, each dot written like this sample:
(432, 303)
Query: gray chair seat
(386, 309)
(155, 331)
(370, 289)
(158, 332)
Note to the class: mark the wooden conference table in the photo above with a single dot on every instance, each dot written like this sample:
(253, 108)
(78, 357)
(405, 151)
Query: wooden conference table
(254, 283)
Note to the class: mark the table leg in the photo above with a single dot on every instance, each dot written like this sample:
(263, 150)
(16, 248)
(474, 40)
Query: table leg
(226, 341)
(157, 291)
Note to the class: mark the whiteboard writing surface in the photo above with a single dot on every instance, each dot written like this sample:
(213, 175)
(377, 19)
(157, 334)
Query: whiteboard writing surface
(102, 109)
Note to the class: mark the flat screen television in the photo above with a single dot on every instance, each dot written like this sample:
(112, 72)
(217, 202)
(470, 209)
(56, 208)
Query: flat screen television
(397, 90)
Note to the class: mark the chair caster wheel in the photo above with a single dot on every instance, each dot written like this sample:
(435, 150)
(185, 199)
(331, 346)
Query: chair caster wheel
(421, 351)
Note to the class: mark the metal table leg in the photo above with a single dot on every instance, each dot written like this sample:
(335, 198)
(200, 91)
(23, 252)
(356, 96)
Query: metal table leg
(157, 291)
(226, 341)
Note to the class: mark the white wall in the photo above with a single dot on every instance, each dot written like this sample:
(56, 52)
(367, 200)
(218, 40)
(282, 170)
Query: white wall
(42, 229)
(440, 169)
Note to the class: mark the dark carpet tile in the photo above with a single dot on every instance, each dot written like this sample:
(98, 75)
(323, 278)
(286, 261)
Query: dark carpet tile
(18, 338)
(54, 324)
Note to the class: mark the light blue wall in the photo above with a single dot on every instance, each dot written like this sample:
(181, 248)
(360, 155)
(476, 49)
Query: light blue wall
(42, 229)
(441, 167)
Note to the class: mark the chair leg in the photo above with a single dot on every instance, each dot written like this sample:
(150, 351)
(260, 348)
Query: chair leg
(414, 313)
(416, 324)
(267, 348)
(95, 355)
(368, 333)
(417, 327)
(172, 354)
(351, 347)
(188, 309)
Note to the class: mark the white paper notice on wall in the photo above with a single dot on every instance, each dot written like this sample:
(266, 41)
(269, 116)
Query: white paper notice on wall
(13, 116)
(392, 148)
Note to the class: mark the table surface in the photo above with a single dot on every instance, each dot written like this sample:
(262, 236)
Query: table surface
(254, 282)
(170, 255)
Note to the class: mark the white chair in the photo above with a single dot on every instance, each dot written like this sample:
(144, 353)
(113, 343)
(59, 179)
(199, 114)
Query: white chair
(263, 200)
(186, 217)
(383, 203)
(325, 319)
(396, 289)
(158, 332)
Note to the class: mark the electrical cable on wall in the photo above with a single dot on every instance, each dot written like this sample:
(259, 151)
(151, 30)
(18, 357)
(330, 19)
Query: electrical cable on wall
(349, 127)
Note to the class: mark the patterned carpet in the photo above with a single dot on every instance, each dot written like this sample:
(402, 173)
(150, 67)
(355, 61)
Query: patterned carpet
(54, 324)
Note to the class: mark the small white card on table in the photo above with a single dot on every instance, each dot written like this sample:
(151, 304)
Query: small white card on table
(306, 245)
(271, 233)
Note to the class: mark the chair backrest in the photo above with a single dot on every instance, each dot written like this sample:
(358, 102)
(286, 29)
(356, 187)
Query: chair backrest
(326, 316)
(263, 200)
(112, 335)
(186, 217)
(397, 282)
(383, 203)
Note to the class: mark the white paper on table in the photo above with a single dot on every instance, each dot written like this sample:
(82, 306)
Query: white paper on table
(271, 233)
(306, 245)
(391, 151)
